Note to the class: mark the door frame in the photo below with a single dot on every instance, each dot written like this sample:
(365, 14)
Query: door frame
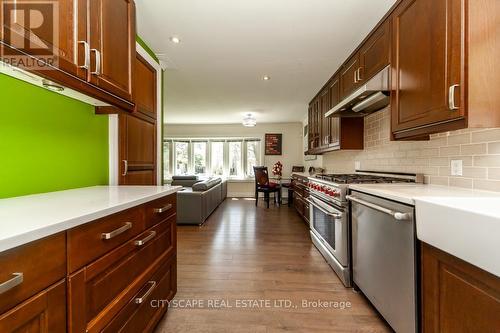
(114, 167)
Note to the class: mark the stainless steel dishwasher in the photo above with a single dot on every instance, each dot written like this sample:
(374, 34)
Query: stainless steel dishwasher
(384, 258)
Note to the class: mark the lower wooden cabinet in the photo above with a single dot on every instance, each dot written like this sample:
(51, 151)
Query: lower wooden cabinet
(97, 277)
(146, 308)
(43, 313)
(457, 296)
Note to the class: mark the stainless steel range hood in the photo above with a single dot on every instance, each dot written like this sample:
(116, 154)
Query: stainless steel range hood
(371, 97)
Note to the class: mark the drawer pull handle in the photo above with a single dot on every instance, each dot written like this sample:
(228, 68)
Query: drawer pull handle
(163, 209)
(140, 300)
(143, 241)
(116, 232)
(15, 281)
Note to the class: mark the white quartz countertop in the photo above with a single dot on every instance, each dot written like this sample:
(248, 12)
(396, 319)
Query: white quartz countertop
(464, 223)
(28, 218)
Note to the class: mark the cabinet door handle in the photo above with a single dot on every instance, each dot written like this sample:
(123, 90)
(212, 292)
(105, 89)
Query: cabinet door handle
(356, 76)
(116, 232)
(140, 300)
(97, 62)
(125, 168)
(15, 281)
(163, 209)
(146, 239)
(86, 62)
(451, 97)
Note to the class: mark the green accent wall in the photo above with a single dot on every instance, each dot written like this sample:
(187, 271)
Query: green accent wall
(48, 142)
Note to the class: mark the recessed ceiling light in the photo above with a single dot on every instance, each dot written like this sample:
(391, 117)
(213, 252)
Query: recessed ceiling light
(175, 40)
(266, 78)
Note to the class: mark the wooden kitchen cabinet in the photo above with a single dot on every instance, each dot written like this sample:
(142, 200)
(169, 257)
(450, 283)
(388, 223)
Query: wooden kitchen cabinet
(145, 87)
(112, 46)
(428, 81)
(349, 76)
(325, 132)
(335, 133)
(374, 53)
(93, 47)
(43, 313)
(457, 296)
(137, 140)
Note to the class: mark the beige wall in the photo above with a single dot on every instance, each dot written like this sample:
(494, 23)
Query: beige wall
(479, 149)
(292, 143)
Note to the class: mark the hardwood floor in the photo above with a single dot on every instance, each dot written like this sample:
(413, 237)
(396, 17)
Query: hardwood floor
(248, 253)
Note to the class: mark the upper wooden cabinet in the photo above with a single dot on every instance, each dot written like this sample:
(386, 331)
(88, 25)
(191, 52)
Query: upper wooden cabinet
(444, 66)
(374, 54)
(334, 133)
(112, 45)
(349, 76)
(427, 78)
(145, 87)
(89, 47)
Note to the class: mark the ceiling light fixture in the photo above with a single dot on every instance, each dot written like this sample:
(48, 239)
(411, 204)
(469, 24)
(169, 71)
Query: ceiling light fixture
(266, 78)
(175, 40)
(249, 120)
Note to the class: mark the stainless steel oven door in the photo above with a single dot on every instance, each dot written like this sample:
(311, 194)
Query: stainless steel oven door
(329, 224)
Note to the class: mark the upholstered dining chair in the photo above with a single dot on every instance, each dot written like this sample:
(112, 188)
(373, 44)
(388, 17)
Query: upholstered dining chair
(263, 185)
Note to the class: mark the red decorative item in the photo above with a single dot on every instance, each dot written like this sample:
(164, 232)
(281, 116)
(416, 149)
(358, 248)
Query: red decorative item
(277, 169)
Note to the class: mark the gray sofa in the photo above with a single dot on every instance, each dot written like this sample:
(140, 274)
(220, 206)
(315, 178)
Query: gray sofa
(198, 198)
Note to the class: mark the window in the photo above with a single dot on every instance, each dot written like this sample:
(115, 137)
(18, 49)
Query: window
(234, 158)
(167, 146)
(200, 158)
(235, 166)
(217, 158)
(181, 158)
(252, 156)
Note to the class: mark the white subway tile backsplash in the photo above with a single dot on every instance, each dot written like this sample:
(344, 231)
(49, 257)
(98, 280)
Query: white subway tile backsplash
(479, 150)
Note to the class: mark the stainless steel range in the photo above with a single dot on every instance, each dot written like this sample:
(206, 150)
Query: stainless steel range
(330, 217)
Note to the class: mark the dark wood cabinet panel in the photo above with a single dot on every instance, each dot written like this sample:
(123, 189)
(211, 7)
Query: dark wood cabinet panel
(112, 58)
(43, 313)
(334, 94)
(102, 288)
(457, 296)
(86, 242)
(427, 63)
(325, 133)
(137, 150)
(349, 76)
(143, 317)
(145, 87)
(374, 54)
(42, 264)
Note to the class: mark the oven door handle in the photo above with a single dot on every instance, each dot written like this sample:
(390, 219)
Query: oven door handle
(336, 216)
(397, 215)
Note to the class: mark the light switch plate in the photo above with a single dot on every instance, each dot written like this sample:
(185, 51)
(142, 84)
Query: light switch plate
(357, 165)
(456, 168)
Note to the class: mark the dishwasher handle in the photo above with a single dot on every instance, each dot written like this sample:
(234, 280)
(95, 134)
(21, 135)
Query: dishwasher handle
(397, 215)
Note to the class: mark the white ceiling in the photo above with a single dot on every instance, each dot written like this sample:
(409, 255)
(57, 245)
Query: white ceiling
(215, 73)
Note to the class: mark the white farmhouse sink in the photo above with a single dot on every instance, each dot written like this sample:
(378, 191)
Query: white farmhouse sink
(466, 227)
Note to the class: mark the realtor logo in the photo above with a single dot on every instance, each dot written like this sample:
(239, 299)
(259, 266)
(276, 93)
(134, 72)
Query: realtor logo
(30, 33)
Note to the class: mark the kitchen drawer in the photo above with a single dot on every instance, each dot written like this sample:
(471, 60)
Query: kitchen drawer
(98, 291)
(92, 240)
(44, 313)
(160, 209)
(147, 307)
(41, 263)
